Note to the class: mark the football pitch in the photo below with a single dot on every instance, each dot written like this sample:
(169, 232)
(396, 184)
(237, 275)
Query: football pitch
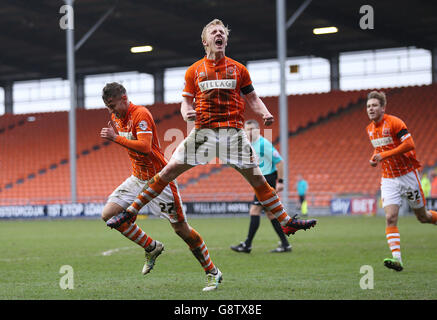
(325, 262)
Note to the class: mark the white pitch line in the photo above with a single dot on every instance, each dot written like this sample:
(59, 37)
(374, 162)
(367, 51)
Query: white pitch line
(110, 252)
(18, 259)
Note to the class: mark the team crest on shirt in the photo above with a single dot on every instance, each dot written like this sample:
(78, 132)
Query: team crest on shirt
(202, 74)
(231, 70)
(386, 131)
(143, 125)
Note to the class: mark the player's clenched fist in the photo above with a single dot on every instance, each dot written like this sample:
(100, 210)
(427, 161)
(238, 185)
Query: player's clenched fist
(268, 119)
(377, 158)
(108, 133)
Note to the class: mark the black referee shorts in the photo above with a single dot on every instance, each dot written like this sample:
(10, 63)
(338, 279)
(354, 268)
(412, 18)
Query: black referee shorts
(271, 180)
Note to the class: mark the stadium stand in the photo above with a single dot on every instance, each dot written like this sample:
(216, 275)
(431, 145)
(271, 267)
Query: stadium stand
(337, 150)
(306, 109)
(327, 142)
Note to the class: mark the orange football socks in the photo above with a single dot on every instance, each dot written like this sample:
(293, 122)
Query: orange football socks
(151, 190)
(199, 250)
(394, 241)
(134, 233)
(270, 201)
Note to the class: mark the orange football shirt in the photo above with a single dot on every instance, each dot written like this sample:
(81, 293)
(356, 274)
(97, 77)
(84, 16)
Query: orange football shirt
(386, 135)
(139, 120)
(215, 87)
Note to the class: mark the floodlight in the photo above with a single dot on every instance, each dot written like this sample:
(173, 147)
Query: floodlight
(325, 30)
(141, 49)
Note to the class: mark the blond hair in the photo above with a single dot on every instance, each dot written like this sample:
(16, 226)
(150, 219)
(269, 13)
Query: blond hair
(214, 22)
(379, 95)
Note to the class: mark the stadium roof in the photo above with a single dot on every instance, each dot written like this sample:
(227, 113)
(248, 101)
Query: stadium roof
(33, 45)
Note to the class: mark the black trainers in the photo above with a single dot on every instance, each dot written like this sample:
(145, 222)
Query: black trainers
(295, 224)
(282, 248)
(241, 248)
(119, 219)
(393, 263)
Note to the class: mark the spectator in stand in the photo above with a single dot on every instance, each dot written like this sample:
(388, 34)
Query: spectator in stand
(302, 188)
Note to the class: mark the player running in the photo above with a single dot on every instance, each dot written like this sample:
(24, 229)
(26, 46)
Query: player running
(395, 150)
(133, 128)
(216, 90)
(271, 166)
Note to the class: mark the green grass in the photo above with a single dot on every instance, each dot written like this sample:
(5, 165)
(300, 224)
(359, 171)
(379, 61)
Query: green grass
(325, 262)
